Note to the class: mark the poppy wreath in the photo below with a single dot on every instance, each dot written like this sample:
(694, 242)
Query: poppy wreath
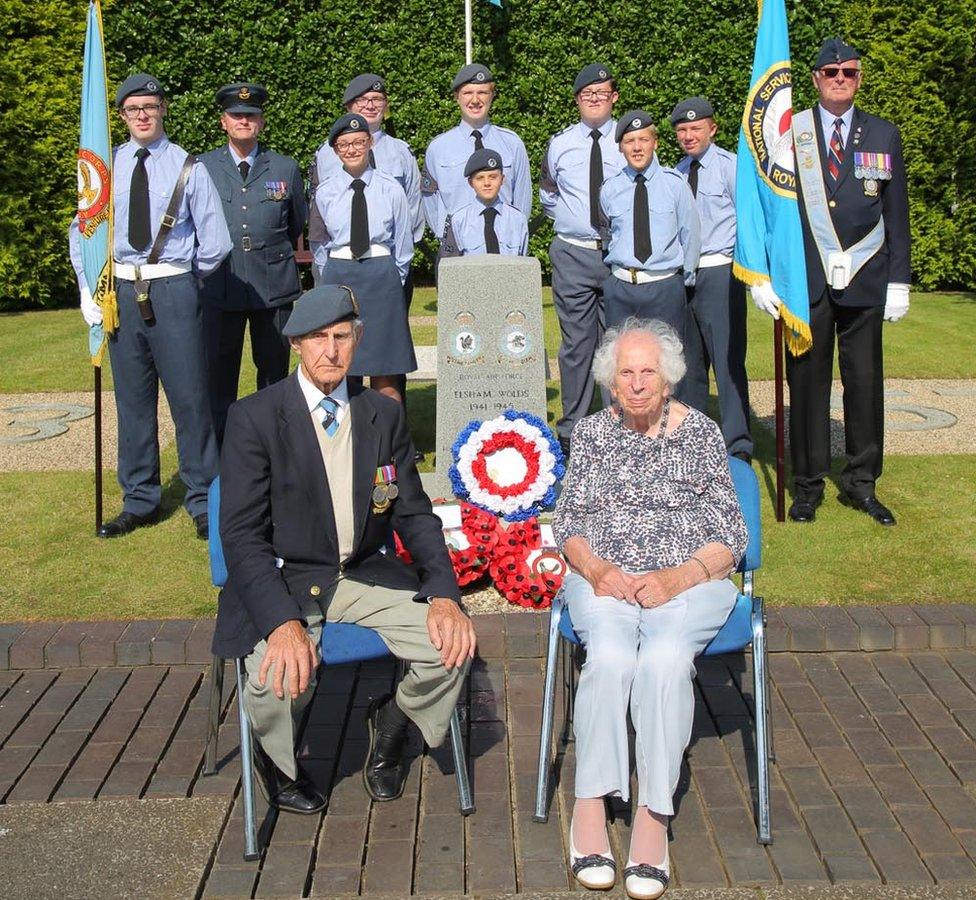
(522, 571)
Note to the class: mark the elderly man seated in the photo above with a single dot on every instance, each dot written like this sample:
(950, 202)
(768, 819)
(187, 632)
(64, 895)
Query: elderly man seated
(314, 474)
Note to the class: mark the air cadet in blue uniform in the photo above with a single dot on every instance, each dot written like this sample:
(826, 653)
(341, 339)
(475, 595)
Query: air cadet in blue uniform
(159, 340)
(717, 336)
(368, 247)
(442, 185)
(654, 235)
(264, 204)
(578, 161)
(488, 225)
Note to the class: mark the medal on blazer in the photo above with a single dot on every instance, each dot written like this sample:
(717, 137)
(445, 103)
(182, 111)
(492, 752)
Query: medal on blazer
(385, 489)
(276, 190)
(872, 168)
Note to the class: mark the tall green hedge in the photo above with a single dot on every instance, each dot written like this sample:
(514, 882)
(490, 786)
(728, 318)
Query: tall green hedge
(919, 72)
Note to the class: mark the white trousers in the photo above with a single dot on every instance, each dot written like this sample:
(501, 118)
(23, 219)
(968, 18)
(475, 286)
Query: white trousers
(643, 658)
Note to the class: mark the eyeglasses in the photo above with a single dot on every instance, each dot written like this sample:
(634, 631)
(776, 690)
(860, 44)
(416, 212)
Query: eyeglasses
(596, 95)
(377, 100)
(150, 109)
(349, 146)
(850, 72)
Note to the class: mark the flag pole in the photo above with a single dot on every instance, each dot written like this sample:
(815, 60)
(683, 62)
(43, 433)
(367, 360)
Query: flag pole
(98, 447)
(780, 424)
(468, 38)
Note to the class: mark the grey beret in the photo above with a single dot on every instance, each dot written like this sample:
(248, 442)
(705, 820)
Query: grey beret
(633, 120)
(363, 84)
(833, 51)
(321, 306)
(242, 98)
(140, 84)
(691, 110)
(475, 73)
(350, 122)
(481, 160)
(595, 73)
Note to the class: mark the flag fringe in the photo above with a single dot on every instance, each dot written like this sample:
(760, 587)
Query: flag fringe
(748, 276)
(799, 338)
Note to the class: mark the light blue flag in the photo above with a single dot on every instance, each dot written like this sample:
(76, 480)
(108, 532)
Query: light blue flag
(497, 3)
(95, 184)
(769, 238)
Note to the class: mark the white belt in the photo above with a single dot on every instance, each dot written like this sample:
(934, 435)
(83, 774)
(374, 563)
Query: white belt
(709, 260)
(346, 252)
(639, 276)
(579, 242)
(149, 273)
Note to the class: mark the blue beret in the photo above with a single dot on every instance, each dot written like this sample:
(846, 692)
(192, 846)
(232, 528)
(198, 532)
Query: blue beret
(475, 73)
(595, 73)
(632, 120)
(691, 110)
(242, 98)
(140, 84)
(481, 160)
(350, 122)
(363, 84)
(833, 51)
(321, 306)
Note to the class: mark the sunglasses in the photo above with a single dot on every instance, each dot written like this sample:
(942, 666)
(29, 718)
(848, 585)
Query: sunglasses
(850, 72)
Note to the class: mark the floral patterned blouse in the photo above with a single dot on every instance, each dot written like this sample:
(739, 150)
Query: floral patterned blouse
(646, 504)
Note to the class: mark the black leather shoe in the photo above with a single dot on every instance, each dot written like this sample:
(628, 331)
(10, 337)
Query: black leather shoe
(125, 522)
(872, 506)
(745, 457)
(419, 456)
(202, 521)
(564, 443)
(384, 773)
(297, 796)
(803, 510)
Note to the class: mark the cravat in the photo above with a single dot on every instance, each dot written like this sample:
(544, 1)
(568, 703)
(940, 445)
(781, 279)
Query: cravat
(477, 139)
(491, 239)
(330, 423)
(140, 230)
(835, 153)
(596, 179)
(359, 225)
(244, 167)
(642, 220)
(693, 177)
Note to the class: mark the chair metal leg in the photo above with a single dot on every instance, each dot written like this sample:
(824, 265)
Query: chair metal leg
(760, 684)
(769, 694)
(548, 701)
(465, 800)
(213, 720)
(251, 851)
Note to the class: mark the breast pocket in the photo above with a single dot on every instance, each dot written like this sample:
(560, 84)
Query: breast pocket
(160, 199)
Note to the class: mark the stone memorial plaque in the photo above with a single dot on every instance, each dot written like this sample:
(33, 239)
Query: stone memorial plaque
(491, 355)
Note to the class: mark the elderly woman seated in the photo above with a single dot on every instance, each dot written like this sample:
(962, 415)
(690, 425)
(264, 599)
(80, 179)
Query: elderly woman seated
(649, 522)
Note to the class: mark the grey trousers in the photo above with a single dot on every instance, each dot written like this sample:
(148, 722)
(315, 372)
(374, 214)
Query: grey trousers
(643, 658)
(577, 294)
(427, 693)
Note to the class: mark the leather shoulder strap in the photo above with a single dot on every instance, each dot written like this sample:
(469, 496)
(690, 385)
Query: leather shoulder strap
(169, 219)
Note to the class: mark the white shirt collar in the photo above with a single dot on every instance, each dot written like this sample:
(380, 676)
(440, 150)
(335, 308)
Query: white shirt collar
(313, 396)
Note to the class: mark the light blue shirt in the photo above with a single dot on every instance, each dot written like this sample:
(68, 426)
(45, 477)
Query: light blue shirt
(389, 216)
(564, 189)
(715, 198)
(392, 156)
(313, 397)
(827, 122)
(511, 229)
(444, 188)
(199, 238)
(238, 159)
(675, 229)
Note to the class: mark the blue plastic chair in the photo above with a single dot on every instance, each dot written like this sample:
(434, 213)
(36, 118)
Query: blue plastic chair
(746, 625)
(341, 643)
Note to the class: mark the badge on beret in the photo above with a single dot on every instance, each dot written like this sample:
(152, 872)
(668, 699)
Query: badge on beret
(354, 124)
(492, 162)
(480, 76)
(635, 123)
(151, 86)
(691, 115)
(244, 93)
(377, 86)
(602, 73)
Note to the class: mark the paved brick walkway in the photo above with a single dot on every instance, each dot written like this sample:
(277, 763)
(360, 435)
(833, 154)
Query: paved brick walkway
(876, 764)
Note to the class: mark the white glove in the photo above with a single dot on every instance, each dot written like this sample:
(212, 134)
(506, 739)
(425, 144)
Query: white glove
(765, 298)
(896, 302)
(91, 311)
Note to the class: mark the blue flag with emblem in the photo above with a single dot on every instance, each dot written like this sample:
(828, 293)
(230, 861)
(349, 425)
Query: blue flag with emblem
(95, 185)
(769, 237)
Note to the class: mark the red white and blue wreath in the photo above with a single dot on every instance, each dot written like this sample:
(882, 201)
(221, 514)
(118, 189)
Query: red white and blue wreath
(508, 465)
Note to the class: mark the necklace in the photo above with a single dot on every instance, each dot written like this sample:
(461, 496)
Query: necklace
(663, 427)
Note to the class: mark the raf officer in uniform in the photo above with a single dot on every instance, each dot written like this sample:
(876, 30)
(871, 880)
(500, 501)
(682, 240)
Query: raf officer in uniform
(854, 210)
(160, 333)
(654, 235)
(264, 204)
(443, 186)
(578, 161)
(717, 331)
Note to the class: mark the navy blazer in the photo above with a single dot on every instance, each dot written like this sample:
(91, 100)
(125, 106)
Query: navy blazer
(275, 503)
(265, 213)
(854, 214)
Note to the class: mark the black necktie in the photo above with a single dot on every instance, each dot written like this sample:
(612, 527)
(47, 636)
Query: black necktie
(596, 179)
(693, 177)
(244, 167)
(372, 159)
(491, 239)
(642, 220)
(477, 140)
(359, 225)
(140, 230)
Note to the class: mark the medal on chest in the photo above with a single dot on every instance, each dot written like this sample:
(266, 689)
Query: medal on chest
(385, 489)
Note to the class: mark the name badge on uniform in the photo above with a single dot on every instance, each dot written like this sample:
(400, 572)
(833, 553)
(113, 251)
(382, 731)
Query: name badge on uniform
(276, 190)
(385, 489)
(872, 168)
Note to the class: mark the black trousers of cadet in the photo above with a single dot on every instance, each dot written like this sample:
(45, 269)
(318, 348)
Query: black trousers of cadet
(858, 335)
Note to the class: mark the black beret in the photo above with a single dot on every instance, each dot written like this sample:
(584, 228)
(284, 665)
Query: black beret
(474, 73)
(633, 120)
(140, 84)
(350, 122)
(321, 306)
(363, 84)
(241, 97)
(833, 51)
(691, 110)
(595, 73)
(481, 160)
